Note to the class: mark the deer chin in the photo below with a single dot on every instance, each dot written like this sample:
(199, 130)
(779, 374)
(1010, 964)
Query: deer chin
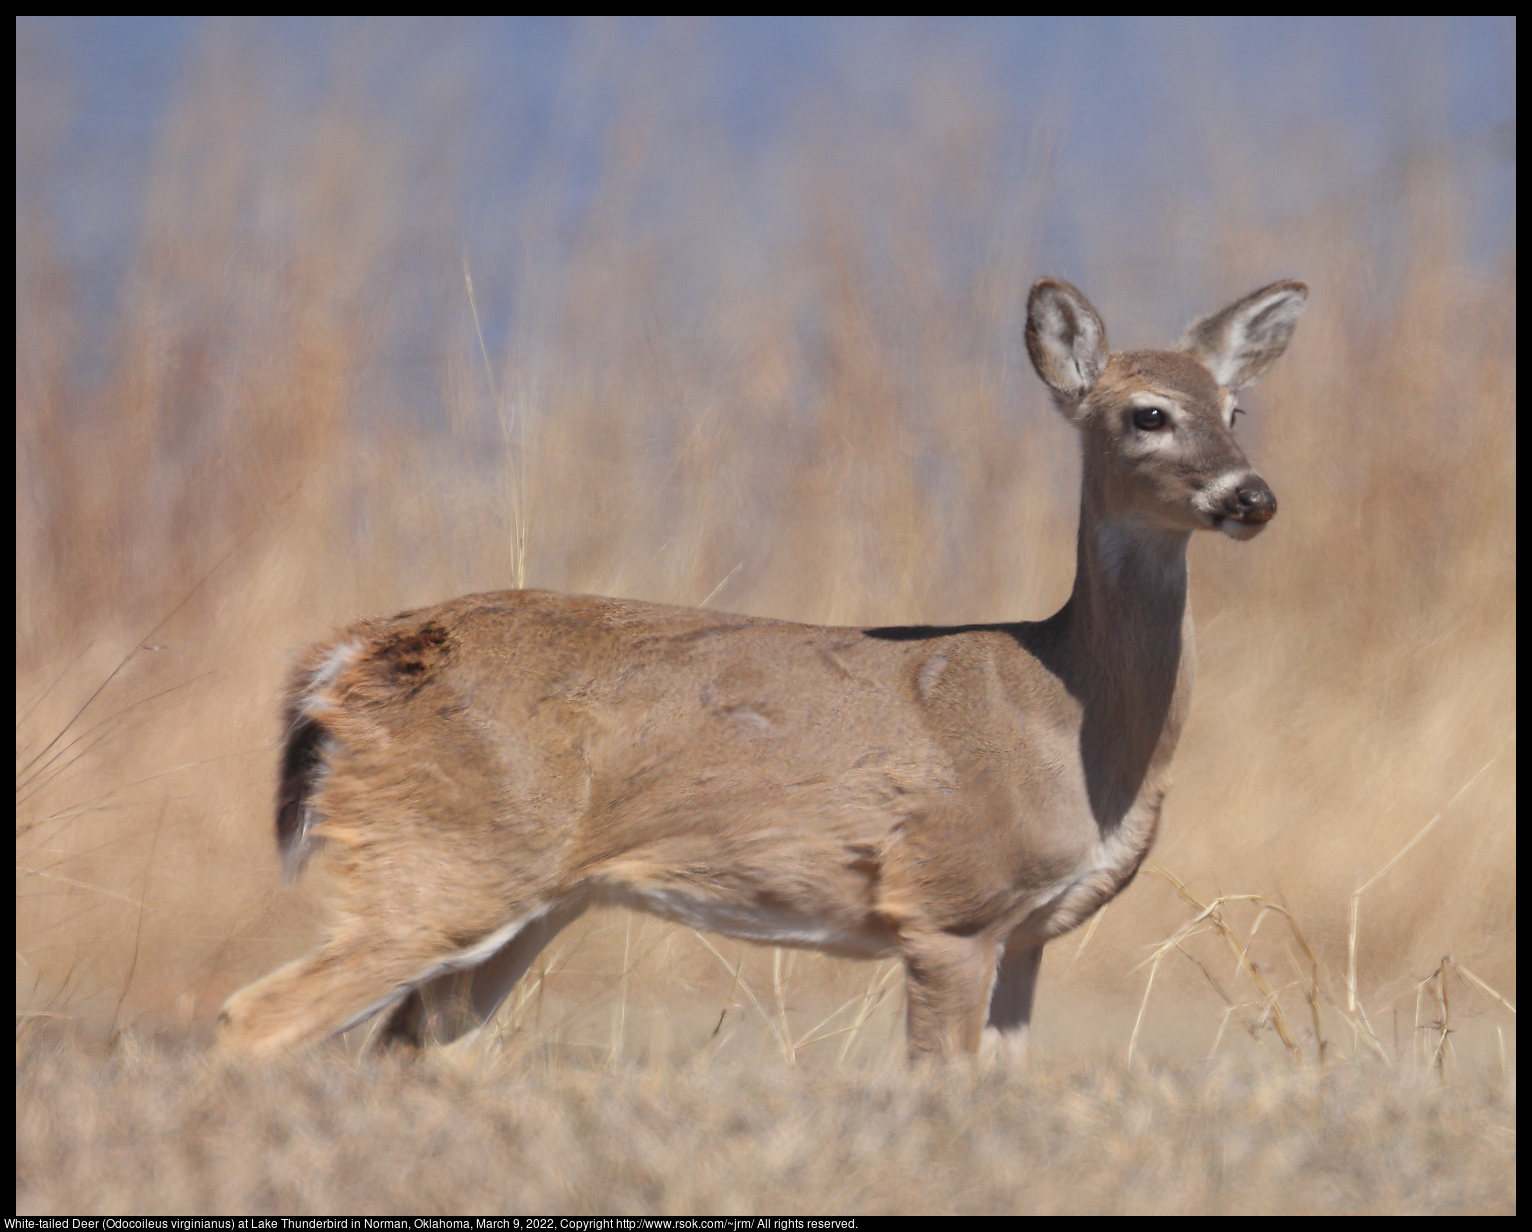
(1238, 528)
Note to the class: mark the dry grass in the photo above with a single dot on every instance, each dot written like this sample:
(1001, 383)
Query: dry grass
(167, 1133)
(785, 382)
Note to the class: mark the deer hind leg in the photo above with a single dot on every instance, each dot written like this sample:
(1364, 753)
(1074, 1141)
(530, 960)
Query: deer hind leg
(457, 1003)
(359, 972)
(351, 976)
(947, 984)
(376, 956)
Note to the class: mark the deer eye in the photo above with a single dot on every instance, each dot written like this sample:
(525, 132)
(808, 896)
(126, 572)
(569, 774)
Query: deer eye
(1148, 418)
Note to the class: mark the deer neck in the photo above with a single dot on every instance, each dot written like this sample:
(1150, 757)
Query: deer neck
(1128, 630)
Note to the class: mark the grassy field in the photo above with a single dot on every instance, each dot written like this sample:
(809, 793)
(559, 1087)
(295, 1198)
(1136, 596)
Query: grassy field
(153, 1130)
(791, 385)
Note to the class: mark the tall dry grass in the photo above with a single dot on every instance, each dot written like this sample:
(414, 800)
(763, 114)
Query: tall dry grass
(784, 379)
(154, 1132)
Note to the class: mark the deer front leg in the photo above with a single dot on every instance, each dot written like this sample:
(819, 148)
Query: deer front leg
(947, 985)
(1008, 1034)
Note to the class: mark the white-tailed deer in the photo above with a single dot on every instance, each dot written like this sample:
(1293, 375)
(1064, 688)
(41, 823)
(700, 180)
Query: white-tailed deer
(477, 774)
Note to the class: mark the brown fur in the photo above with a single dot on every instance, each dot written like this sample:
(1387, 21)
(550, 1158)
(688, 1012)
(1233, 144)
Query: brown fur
(476, 774)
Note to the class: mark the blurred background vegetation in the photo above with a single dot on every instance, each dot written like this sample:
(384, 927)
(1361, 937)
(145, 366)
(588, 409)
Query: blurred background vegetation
(325, 319)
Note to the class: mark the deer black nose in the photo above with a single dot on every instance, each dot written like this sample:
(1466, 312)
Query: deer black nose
(1257, 502)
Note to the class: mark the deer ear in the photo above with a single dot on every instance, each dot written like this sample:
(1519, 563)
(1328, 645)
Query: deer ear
(1238, 343)
(1065, 338)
